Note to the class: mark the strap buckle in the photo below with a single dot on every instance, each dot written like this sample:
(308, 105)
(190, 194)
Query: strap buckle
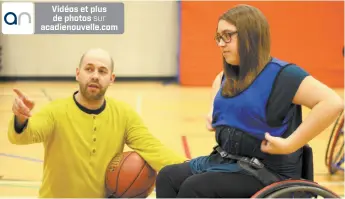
(254, 162)
(221, 152)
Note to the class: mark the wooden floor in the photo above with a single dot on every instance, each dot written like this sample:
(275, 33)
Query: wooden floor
(183, 107)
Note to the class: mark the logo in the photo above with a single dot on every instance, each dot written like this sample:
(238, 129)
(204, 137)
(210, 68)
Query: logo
(115, 162)
(18, 18)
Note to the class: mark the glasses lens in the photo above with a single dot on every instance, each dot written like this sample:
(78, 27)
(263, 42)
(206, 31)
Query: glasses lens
(226, 37)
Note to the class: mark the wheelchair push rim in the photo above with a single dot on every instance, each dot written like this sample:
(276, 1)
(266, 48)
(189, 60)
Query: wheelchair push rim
(282, 188)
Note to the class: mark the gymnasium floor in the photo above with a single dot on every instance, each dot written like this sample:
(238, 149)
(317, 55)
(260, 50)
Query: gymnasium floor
(183, 107)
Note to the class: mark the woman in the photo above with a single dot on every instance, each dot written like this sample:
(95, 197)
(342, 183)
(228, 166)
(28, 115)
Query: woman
(256, 114)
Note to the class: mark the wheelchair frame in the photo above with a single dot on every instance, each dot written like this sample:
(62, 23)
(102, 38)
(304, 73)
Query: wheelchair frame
(334, 159)
(301, 188)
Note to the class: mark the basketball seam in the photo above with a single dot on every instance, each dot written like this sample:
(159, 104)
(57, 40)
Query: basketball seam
(145, 189)
(141, 170)
(118, 175)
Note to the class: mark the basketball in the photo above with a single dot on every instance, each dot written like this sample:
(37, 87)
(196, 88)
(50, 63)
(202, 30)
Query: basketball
(130, 176)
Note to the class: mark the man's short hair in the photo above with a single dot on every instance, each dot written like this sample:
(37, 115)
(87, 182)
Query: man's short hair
(111, 61)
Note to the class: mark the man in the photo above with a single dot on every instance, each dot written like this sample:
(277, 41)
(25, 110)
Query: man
(82, 133)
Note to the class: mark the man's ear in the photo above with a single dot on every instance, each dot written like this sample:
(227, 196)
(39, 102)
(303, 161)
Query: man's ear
(77, 74)
(112, 78)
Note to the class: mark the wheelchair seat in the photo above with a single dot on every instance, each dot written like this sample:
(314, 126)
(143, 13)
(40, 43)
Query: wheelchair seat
(307, 163)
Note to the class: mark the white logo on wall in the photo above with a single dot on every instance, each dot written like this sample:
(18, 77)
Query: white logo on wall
(18, 18)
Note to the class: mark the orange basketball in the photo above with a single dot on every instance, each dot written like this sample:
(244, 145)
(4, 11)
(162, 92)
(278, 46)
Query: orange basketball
(130, 176)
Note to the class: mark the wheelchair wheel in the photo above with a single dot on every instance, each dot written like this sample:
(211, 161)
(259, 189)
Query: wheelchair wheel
(295, 189)
(335, 147)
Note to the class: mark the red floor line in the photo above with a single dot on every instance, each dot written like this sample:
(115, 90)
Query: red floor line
(186, 147)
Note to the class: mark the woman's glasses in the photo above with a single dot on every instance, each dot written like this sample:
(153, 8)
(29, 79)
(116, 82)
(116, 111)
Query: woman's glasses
(226, 37)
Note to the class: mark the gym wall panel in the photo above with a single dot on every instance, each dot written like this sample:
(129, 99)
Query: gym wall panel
(310, 34)
(148, 48)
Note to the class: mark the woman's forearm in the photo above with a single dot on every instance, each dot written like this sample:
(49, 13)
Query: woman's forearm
(320, 117)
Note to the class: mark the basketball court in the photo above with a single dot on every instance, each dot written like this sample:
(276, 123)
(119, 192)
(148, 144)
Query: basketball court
(174, 114)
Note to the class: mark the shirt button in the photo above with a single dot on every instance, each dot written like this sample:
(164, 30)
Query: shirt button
(94, 129)
(94, 117)
(94, 151)
(94, 139)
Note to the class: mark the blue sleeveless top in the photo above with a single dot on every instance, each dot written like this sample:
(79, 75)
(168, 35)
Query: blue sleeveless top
(245, 111)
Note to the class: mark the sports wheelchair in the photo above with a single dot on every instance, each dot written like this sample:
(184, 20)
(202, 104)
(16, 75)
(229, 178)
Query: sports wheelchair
(334, 158)
(298, 188)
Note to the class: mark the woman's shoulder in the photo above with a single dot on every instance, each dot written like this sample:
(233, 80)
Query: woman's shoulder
(289, 69)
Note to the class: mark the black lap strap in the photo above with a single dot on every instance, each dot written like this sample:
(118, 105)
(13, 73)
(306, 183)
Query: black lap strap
(265, 176)
(254, 162)
(252, 165)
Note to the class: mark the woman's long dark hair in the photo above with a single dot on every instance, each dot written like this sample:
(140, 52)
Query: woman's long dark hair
(254, 45)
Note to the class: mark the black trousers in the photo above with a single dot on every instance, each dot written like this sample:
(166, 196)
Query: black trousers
(177, 181)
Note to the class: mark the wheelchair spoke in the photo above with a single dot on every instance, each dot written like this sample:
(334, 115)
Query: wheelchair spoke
(340, 163)
(340, 155)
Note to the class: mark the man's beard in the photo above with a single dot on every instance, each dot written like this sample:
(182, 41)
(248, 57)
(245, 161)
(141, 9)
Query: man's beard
(92, 96)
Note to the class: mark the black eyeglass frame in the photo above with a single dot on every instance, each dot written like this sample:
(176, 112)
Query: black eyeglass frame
(226, 37)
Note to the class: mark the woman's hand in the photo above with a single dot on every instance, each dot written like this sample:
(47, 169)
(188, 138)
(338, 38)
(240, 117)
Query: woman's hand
(277, 145)
(209, 122)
